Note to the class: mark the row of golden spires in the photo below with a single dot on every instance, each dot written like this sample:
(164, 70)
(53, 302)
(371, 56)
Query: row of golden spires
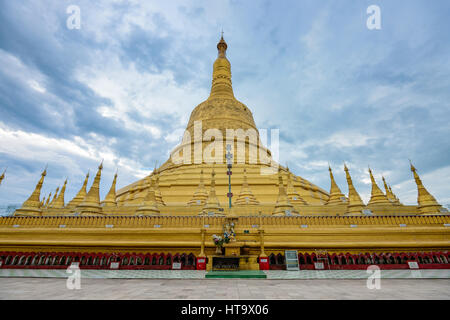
(88, 203)
(288, 197)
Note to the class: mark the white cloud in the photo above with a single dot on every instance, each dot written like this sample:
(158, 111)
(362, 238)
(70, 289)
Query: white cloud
(348, 139)
(135, 94)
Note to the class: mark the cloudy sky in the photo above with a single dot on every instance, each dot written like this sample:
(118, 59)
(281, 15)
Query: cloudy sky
(121, 88)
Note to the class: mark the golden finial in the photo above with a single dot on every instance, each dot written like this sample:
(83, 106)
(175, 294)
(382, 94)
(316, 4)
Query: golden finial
(413, 169)
(222, 47)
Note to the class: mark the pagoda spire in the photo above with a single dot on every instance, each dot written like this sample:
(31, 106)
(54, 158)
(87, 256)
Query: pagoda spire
(283, 206)
(48, 200)
(200, 195)
(91, 203)
(59, 202)
(212, 204)
(80, 195)
(355, 204)
(293, 196)
(377, 196)
(32, 205)
(110, 199)
(336, 196)
(42, 203)
(54, 197)
(391, 197)
(149, 204)
(397, 200)
(246, 196)
(427, 203)
(221, 82)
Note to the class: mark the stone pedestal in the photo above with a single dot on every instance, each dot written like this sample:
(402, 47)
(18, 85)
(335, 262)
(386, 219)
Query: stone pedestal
(233, 248)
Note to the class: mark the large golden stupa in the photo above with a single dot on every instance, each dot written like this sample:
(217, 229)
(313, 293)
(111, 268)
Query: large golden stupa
(176, 209)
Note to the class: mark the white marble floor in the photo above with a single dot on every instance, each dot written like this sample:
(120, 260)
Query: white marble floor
(55, 288)
(195, 274)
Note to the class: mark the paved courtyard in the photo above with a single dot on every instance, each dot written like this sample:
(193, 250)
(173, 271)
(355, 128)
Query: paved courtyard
(91, 288)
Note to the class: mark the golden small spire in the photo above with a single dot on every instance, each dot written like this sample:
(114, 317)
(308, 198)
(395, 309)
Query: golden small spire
(397, 200)
(91, 203)
(246, 196)
(427, 203)
(391, 197)
(110, 199)
(59, 202)
(336, 196)
(293, 196)
(54, 197)
(80, 195)
(149, 204)
(200, 195)
(42, 203)
(283, 206)
(212, 204)
(377, 196)
(48, 200)
(32, 205)
(355, 204)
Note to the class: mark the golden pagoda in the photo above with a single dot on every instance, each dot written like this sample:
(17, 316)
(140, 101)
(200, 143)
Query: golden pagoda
(214, 120)
(174, 210)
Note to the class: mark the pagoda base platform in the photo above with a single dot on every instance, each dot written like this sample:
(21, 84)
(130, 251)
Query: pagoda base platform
(242, 274)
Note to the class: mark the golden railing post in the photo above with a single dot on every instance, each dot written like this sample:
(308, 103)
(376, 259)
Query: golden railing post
(202, 246)
(261, 236)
